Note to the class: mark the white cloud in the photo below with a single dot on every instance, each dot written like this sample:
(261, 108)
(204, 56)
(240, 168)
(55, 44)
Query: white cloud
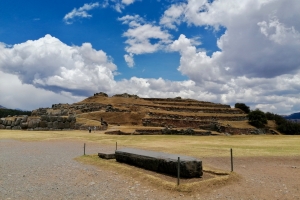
(81, 12)
(128, 2)
(50, 64)
(129, 59)
(140, 35)
(261, 39)
(14, 94)
(173, 16)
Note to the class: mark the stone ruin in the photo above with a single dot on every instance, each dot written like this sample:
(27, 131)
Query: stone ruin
(165, 163)
(42, 123)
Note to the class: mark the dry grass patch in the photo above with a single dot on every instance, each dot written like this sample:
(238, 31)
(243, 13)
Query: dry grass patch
(211, 178)
(132, 118)
(196, 146)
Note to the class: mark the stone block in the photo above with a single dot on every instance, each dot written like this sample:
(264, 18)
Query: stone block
(16, 128)
(59, 119)
(43, 124)
(52, 118)
(161, 162)
(61, 125)
(8, 127)
(55, 125)
(72, 125)
(50, 124)
(24, 125)
(106, 155)
(2, 126)
(67, 125)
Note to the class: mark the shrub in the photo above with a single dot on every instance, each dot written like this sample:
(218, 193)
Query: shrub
(257, 118)
(243, 107)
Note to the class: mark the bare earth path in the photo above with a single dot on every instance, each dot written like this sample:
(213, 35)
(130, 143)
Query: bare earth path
(46, 170)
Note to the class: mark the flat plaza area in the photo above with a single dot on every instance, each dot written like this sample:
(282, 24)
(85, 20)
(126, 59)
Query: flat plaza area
(51, 165)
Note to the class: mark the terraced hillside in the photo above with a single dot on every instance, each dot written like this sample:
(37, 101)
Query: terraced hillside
(138, 115)
(173, 113)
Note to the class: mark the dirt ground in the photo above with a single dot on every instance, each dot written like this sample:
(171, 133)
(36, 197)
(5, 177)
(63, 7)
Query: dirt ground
(47, 170)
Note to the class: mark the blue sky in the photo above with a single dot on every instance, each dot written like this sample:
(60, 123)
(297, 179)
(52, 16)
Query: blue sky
(222, 51)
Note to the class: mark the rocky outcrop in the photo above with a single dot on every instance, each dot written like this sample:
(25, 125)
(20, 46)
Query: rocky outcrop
(161, 162)
(125, 95)
(42, 123)
(101, 94)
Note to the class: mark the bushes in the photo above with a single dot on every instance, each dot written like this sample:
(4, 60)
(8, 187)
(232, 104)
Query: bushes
(257, 118)
(243, 107)
(284, 126)
(11, 112)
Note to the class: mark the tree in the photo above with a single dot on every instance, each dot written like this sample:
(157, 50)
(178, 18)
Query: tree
(243, 107)
(257, 118)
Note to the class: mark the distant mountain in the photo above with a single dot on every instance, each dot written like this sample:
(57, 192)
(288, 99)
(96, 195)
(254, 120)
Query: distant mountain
(293, 116)
(2, 107)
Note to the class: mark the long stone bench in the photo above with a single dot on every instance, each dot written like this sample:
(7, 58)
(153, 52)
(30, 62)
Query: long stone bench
(160, 162)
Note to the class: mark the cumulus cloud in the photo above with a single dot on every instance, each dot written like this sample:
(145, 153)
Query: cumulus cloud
(143, 37)
(261, 40)
(81, 12)
(50, 64)
(129, 59)
(15, 94)
(173, 16)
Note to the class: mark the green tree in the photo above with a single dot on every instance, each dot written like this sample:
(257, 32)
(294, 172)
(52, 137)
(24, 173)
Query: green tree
(243, 107)
(257, 118)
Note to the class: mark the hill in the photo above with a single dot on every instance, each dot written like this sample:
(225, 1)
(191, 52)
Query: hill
(2, 107)
(135, 115)
(293, 116)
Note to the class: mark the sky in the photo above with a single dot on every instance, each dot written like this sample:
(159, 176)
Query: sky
(222, 51)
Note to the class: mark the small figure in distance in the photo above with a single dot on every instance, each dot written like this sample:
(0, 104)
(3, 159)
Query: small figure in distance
(90, 130)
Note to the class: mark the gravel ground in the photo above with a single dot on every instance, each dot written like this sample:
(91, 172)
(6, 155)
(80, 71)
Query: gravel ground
(46, 170)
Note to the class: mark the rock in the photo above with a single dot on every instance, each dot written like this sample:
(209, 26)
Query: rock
(43, 124)
(61, 125)
(24, 125)
(50, 124)
(161, 162)
(16, 128)
(102, 94)
(67, 125)
(2, 126)
(33, 123)
(55, 125)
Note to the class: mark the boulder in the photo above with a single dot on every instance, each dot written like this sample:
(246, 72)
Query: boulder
(25, 118)
(50, 124)
(24, 125)
(67, 125)
(33, 123)
(55, 125)
(43, 124)
(161, 162)
(16, 128)
(61, 125)
(2, 126)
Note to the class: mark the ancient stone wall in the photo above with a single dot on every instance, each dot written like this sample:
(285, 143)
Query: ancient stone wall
(42, 123)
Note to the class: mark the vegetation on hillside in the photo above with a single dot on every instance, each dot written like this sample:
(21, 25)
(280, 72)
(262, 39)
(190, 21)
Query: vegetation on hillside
(283, 125)
(243, 107)
(11, 112)
(257, 118)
